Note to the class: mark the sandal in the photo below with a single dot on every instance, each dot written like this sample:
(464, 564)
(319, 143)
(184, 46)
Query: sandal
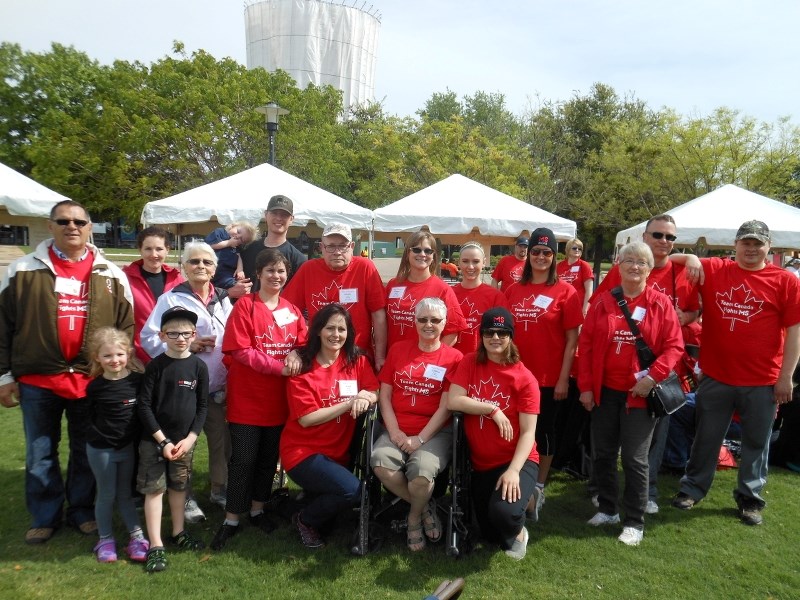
(431, 522)
(184, 541)
(156, 560)
(415, 539)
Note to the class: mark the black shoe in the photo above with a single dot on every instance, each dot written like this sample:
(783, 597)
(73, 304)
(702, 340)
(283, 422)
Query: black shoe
(683, 501)
(185, 541)
(750, 512)
(263, 522)
(224, 533)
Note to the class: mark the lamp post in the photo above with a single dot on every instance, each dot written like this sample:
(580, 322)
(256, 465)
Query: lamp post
(272, 112)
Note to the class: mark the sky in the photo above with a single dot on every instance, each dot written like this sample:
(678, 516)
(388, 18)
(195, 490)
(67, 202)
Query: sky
(691, 56)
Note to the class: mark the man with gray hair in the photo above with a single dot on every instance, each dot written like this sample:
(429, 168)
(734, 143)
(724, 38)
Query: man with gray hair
(749, 349)
(350, 280)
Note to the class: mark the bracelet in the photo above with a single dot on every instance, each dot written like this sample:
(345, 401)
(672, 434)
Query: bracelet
(421, 441)
(163, 443)
(494, 410)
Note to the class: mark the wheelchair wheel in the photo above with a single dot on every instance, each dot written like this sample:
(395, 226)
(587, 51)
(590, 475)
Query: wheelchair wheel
(375, 536)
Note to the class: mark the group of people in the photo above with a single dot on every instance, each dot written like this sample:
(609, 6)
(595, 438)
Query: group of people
(277, 358)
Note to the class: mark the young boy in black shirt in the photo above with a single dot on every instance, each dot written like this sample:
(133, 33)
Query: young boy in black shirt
(172, 407)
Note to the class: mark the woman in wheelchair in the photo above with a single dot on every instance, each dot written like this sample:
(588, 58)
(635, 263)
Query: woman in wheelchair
(416, 445)
(500, 400)
(335, 387)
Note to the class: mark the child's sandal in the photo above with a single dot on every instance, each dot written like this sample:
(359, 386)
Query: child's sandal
(156, 560)
(185, 541)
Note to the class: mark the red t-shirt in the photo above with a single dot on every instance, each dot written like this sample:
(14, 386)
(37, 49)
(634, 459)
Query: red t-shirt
(576, 275)
(255, 397)
(508, 271)
(745, 315)
(542, 315)
(513, 389)
(72, 292)
(474, 302)
(669, 279)
(401, 302)
(417, 384)
(358, 288)
(319, 388)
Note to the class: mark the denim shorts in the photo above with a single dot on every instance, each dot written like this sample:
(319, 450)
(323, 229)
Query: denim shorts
(156, 473)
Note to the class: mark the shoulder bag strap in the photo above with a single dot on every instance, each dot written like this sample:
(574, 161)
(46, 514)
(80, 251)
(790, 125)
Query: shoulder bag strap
(646, 356)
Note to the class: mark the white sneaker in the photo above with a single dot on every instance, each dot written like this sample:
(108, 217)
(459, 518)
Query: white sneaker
(596, 501)
(602, 518)
(651, 508)
(192, 512)
(631, 536)
(520, 547)
(219, 498)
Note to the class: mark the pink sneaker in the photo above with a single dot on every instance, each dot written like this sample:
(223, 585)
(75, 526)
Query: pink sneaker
(106, 551)
(137, 549)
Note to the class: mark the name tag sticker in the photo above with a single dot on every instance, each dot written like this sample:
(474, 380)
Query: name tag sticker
(397, 292)
(70, 287)
(575, 268)
(348, 387)
(639, 313)
(542, 301)
(435, 372)
(283, 316)
(348, 295)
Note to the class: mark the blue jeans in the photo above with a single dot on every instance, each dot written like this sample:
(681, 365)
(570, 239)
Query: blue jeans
(113, 471)
(44, 487)
(335, 488)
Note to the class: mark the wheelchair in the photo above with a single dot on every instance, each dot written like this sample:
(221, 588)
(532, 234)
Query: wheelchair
(376, 518)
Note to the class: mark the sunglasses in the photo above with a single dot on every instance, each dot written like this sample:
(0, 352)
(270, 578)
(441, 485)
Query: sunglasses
(538, 251)
(174, 335)
(657, 235)
(418, 250)
(490, 333)
(578, 248)
(426, 320)
(196, 261)
(79, 223)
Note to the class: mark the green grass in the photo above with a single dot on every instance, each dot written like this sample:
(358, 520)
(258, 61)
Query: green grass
(704, 553)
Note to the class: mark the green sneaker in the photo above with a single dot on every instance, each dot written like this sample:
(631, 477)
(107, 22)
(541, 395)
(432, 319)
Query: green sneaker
(156, 560)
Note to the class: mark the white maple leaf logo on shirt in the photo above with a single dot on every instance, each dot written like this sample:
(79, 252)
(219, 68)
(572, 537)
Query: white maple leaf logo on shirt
(402, 317)
(412, 377)
(269, 336)
(738, 304)
(488, 391)
(329, 295)
(526, 312)
(471, 314)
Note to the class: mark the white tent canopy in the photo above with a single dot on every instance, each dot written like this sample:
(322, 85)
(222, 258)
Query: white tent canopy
(715, 217)
(23, 197)
(244, 196)
(463, 208)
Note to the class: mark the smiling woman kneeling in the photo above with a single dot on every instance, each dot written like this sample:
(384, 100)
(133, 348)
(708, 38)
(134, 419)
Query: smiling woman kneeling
(335, 387)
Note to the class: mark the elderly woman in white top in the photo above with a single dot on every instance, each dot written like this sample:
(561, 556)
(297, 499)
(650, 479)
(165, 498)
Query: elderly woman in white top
(212, 306)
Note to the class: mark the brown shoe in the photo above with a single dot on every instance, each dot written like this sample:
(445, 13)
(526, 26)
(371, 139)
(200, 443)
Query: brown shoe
(38, 535)
(88, 527)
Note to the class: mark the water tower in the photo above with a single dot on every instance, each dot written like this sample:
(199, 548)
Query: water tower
(316, 41)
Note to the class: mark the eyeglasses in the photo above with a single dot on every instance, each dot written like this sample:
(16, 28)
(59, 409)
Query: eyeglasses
(418, 250)
(578, 248)
(79, 223)
(196, 261)
(657, 235)
(174, 335)
(639, 263)
(426, 320)
(490, 333)
(538, 251)
(333, 248)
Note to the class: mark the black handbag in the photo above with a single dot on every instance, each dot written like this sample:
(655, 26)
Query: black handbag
(667, 396)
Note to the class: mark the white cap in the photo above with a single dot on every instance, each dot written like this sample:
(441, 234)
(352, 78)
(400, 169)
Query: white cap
(338, 229)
